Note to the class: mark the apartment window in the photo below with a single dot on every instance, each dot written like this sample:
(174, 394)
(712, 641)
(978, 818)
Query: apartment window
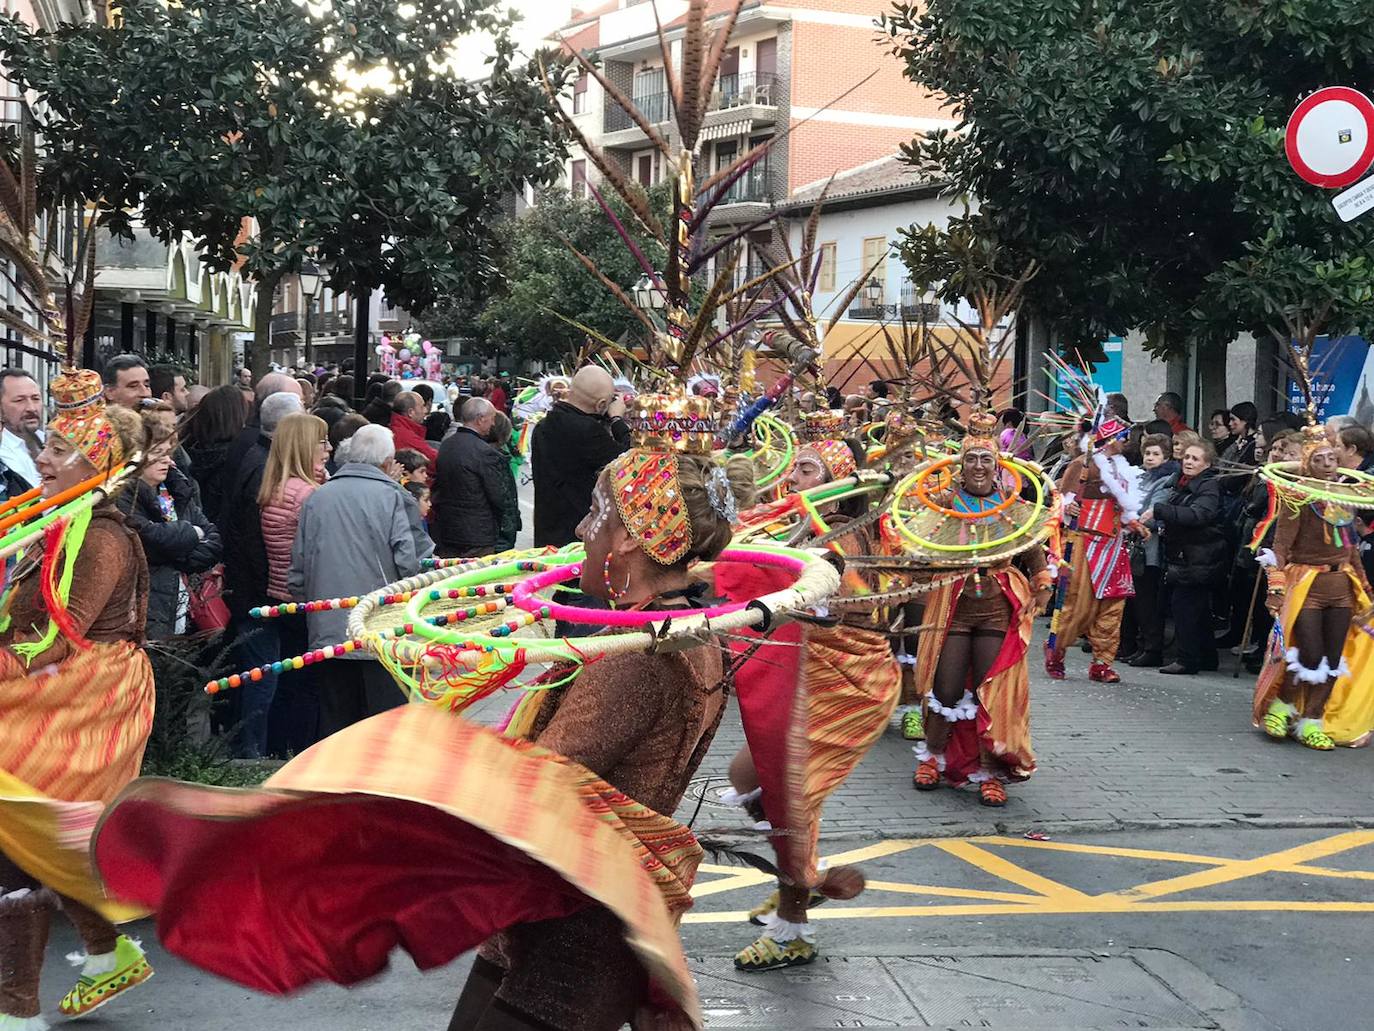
(875, 253)
(580, 95)
(825, 282)
(579, 178)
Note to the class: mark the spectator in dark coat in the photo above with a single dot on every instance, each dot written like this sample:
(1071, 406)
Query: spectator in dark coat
(208, 435)
(578, 438)
(502, 438)
(177, 537)
(272, 383)
(472, 488)
(256, 641)
(378, 408)
(1196, 554)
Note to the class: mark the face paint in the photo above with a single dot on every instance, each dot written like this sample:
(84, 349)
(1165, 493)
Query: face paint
(599, 514)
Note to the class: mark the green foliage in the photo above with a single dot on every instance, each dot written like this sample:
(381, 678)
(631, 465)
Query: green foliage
(1135, 149)
(200, 115)
(544, 280)
(179, 745)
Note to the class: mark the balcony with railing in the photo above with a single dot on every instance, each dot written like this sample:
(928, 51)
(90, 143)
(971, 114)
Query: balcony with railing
(321, 323)
(750, 89)
(750, 98)
(914, 305)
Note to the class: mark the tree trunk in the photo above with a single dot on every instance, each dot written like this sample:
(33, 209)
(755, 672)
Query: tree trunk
(260, 352)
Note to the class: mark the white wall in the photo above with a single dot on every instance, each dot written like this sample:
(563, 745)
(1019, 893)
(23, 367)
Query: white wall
(848, 230)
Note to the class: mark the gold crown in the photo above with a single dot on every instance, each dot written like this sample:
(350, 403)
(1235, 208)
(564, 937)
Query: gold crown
(673, 422)
(982, 424)
(822, 425)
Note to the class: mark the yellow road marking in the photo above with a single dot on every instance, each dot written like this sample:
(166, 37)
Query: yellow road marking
(951, 893)
(1050, 897)
(1008, 871)
(1106, 850)
(1242, 868)
(1096, 905)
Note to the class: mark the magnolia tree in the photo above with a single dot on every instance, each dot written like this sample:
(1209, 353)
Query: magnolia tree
(1134, 149)
(340, 129)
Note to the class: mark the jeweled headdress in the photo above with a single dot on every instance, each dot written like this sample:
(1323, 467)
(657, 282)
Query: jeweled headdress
(81, 421)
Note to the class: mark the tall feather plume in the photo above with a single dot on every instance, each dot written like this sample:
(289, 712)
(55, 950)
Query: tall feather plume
(623, 233)
(630, 192)
(706, 316)
(610, 284)
(692, 108)
(717, 51)
(670, 79)
(625, 103)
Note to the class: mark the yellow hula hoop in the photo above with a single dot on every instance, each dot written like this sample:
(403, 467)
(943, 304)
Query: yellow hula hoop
(1011, 464)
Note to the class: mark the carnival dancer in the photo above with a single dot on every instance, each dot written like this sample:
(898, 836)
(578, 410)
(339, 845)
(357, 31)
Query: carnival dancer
(975, 640)
(1102, 497)
(1318, 682)
(849, 682)
(76, 703)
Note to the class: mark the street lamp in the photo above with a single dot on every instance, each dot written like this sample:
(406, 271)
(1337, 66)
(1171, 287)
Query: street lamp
(647, 294)
(310, 285)
(873, 292)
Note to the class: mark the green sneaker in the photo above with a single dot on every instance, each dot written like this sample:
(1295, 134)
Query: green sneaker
(128, 967)
(1277, 718)
(1311, 734)
(913, 726)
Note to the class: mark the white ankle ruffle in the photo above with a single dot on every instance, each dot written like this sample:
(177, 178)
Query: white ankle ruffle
(784, 931)
(729, 796)
(9, 1023)
(966, 708)
(923, 753)
(1320, 675)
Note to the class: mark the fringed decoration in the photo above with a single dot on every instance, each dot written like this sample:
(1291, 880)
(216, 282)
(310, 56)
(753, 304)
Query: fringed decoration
(63, 538)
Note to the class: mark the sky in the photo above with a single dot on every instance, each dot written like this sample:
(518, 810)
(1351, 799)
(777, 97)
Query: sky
(539, 18)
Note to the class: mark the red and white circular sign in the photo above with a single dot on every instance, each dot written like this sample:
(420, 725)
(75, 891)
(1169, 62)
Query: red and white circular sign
(1330, 138)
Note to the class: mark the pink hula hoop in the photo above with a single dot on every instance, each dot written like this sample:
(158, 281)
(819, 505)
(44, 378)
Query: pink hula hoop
(524, 594)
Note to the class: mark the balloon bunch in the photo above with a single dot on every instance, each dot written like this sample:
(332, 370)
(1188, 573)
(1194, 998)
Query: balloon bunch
(414, 358)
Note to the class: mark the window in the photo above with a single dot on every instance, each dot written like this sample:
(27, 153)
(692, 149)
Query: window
(580, 95)
(825, 282)
(875, 253)
(644, 169)
(579, 178)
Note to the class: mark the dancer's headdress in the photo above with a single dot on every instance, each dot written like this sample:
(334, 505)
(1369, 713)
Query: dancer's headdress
(81, 419)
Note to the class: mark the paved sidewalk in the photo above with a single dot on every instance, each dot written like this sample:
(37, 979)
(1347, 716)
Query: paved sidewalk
(1153, 751)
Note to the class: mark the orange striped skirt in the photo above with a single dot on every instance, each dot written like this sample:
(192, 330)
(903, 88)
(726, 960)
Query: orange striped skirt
(73, 738)
(415, 828)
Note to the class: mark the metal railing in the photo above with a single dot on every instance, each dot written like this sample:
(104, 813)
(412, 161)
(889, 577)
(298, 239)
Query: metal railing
(913, 306)
(750, 188)
(737, 90)
(656, 107)
(756, 88)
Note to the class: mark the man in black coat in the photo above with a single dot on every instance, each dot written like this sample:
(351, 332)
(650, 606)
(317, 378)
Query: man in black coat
(473, 487)
(578, 438)
(257, 642)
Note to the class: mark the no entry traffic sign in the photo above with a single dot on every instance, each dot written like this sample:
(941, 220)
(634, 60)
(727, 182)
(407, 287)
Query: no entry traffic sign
(1330, 138)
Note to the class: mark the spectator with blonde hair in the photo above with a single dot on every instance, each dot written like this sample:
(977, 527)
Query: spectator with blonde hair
(294, 469)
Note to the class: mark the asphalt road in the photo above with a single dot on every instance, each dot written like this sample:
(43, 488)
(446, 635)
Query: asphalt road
(1205, 928)
(1193, 875)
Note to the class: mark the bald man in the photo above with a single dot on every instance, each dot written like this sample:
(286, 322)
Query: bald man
(570, 447)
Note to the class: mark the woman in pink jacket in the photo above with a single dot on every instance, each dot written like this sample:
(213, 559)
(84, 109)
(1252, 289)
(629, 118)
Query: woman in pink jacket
(295, 467)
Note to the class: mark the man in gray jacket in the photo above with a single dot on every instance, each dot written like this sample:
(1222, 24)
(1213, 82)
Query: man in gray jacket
(358, 532)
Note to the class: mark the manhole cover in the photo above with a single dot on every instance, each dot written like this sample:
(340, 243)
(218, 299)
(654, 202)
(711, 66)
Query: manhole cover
(706, 790)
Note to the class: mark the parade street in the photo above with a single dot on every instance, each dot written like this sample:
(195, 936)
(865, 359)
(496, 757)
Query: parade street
(1187, 879)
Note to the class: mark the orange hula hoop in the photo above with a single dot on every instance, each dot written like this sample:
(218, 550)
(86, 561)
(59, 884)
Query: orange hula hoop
(923, 491)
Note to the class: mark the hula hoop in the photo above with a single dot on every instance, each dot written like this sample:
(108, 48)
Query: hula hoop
(906, 532)
(923, 491)
(816, 581)
(1287, 478)
(524, 598)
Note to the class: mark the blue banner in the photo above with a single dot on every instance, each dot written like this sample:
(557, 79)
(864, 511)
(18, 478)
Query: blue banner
(1107, 375)
(1343, 378)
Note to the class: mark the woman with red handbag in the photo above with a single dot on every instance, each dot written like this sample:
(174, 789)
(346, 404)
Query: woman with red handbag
(177, 537)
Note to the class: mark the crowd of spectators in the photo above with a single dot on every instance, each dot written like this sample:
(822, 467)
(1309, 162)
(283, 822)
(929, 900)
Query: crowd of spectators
(260, 492)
